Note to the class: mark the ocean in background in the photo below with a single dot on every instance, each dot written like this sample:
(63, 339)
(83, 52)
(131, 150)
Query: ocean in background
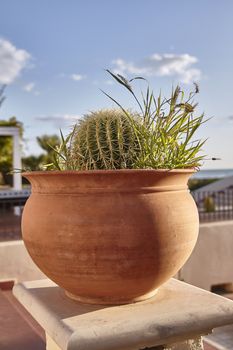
(213, 174)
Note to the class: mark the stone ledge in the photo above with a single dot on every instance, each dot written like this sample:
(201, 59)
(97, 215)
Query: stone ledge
(177, 313)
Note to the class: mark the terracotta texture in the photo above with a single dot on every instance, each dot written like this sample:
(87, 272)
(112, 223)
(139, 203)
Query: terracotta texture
(110, 236)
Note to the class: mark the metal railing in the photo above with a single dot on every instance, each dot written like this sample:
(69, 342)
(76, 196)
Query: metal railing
(214, 205)
(10, 216)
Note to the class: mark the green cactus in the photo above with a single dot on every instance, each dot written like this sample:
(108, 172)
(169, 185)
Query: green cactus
(104, 139)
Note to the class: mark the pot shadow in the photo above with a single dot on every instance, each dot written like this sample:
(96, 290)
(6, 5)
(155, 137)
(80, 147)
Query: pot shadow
(54, 300)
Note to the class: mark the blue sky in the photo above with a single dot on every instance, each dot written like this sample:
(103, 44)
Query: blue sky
(53, 55)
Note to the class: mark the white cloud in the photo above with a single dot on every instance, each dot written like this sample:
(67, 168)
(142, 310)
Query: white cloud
(77, 77)
(100, 83)
(12, 61)
(180, 66)
(29, 87)
(58, 119)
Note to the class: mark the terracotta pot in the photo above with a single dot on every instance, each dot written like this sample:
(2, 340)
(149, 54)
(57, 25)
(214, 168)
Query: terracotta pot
(110, 237)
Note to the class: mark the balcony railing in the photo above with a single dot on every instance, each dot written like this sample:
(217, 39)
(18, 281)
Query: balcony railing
(214, 206)
(11, 207)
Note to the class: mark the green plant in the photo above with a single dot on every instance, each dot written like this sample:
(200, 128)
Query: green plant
(104, 139)
(160, 137)
(209, 204)
(61, 157)
(165, 134)
(46, 141)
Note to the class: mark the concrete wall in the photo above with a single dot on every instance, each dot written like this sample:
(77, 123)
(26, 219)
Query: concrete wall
(211, 262)
(16, 264)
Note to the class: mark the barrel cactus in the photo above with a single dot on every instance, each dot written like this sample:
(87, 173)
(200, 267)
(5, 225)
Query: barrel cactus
(105, 139)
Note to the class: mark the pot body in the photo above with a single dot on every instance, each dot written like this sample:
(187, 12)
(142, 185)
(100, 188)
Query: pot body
(110, 236)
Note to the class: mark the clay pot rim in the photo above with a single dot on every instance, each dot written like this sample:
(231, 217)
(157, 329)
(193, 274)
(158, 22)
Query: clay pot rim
(106, 172)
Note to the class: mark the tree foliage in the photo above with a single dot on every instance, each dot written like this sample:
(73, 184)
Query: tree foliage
(6, 142)
(47, 143)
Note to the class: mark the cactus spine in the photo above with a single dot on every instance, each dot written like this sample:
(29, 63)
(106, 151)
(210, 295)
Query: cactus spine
(104, 139)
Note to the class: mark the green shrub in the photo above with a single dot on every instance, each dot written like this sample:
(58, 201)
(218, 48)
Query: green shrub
(209, 204)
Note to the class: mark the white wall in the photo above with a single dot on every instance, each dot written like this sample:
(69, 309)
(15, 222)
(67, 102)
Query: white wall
(16, 264)
(211, 262)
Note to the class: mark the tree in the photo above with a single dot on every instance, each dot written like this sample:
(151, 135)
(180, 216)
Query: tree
(46, 141)
(6, 142)
(33, 162)
(6, 146)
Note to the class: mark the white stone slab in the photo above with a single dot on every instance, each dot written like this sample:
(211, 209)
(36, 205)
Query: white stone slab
(178, 311)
